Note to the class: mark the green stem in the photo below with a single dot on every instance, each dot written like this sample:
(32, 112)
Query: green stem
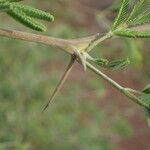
(98, 39)
(123, 90)
(135, 98)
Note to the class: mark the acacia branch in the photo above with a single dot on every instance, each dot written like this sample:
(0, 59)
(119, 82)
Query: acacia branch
(70, 46)
(66, 45)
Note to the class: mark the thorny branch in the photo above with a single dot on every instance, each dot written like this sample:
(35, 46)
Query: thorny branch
(80, 47)
(66, 45)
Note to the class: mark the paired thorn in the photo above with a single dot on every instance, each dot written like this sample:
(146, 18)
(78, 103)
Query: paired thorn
(82, 58)
(62, 80)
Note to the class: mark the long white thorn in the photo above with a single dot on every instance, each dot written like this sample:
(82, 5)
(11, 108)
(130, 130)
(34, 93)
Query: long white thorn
(62, 81)
(82, 58)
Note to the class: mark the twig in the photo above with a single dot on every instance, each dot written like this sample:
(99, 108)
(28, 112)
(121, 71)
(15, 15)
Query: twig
(66, 45)
(134, 91)
(98, 39)
(82, 45)
(123, 90)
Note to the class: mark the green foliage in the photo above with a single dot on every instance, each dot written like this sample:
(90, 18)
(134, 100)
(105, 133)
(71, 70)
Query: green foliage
(122, 14)
(147, 89)
(142, 19)
(124, 25)
(146, 99)
(116, 64)
(32, 12)
(147, 112)
(138, 9)
(21, 17)
(25, 14)
(132, 33)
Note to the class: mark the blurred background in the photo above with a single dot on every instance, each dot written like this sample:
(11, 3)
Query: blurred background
(88, 114)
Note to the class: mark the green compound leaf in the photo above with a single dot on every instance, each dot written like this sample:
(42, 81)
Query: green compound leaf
(25, 14)
(142, 19)
(33, 12)
(101, 62)
(21, 17)
(140, 15)
(116, 64)
(130, 33)
(137, 10)
(122, 14)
